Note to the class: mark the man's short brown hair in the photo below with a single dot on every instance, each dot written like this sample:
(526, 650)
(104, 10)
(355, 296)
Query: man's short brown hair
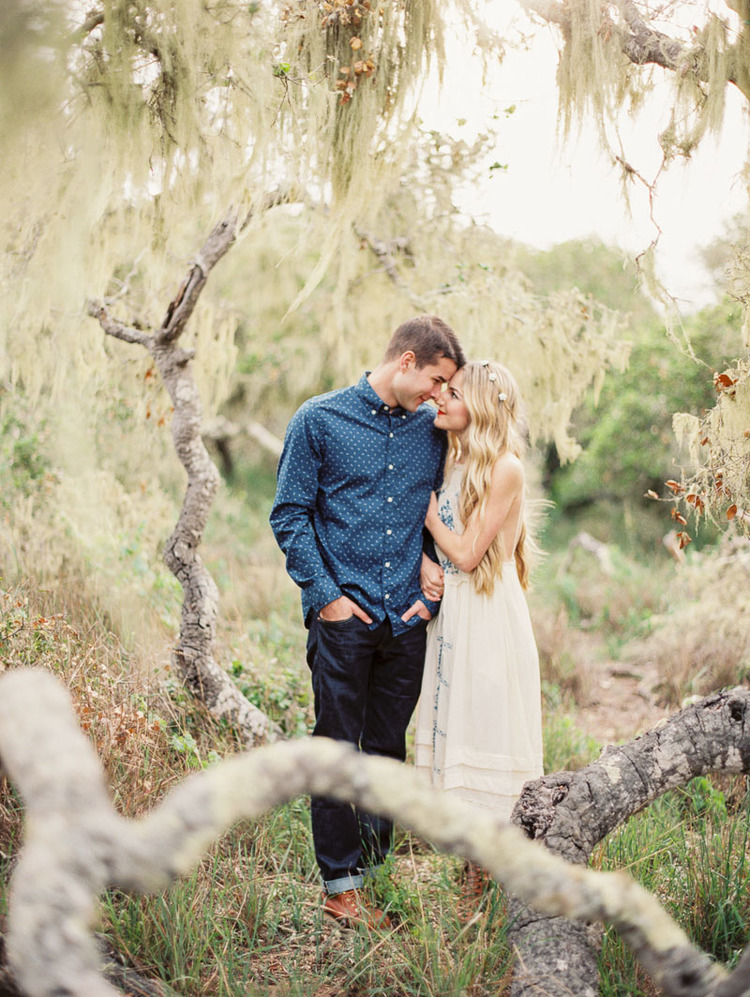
(429, 338)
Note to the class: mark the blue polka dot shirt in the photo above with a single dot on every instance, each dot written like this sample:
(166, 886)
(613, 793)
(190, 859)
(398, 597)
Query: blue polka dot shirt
(353, 486)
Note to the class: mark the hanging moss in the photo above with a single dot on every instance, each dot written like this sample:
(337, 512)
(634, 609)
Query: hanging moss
(601, 73)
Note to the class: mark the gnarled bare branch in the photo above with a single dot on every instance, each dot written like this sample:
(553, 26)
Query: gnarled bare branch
(571, 812)
(194, 654)
(77, 844)
(644, 44)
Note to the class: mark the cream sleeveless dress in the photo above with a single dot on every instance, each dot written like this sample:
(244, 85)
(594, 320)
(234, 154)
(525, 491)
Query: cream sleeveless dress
(479, 719)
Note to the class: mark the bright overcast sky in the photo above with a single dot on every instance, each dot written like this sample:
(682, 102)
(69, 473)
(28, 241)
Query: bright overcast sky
(552, 191)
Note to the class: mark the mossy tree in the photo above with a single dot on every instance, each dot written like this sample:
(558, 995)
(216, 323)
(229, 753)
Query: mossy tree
(611, 55)
(132, 127)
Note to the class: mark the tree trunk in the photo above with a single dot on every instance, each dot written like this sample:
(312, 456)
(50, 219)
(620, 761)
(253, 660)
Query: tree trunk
(194, 653)
(571, 812)
(114, 969)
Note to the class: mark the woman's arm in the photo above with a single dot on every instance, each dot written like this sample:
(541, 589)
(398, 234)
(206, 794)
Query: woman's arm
(467, 549)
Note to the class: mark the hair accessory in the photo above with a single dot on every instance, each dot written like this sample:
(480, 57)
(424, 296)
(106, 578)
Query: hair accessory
(492, 377)
(502, 396)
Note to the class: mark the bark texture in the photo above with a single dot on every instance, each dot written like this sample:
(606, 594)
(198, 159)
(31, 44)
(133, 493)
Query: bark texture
(194, 653)
(644, 44)
(571, 812)
(77, 845)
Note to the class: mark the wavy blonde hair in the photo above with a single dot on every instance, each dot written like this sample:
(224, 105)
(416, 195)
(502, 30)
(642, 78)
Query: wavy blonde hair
(495, 427)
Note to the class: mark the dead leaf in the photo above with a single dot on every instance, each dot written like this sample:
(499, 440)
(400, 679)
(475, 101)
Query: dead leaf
(722, 382)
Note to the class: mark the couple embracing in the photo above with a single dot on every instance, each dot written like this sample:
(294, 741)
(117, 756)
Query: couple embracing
(403, 525)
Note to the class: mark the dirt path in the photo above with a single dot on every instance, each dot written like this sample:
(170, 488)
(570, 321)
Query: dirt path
(619, 705)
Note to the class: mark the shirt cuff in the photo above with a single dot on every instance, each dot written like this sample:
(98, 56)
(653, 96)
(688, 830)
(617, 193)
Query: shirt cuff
(433, 607)
(325, 591)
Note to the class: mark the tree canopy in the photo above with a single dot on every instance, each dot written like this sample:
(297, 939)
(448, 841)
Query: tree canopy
(610, 54)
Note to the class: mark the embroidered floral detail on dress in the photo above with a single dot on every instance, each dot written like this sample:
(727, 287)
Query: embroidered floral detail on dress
(445, 512)
(440, 684)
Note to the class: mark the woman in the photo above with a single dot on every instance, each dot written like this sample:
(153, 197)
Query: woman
(479, 725)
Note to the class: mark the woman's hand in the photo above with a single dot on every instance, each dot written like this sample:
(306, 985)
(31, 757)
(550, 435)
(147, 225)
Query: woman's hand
(431, 579)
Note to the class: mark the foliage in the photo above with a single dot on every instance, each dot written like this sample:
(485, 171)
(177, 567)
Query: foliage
(604, 272)
(160, 115)
(566, 746)
(699, 642)
(606, 43)
(626, 431)
(414, 254)
(155, 118)
(629, 446)
(608, 51)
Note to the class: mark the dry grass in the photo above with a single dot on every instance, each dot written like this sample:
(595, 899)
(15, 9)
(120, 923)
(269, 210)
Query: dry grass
(122, 700)
(248, 920)
(701, 643)
(566, 652)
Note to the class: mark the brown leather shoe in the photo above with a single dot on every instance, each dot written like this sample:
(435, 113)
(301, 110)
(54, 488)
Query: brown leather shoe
(349, 908)
(475, 883)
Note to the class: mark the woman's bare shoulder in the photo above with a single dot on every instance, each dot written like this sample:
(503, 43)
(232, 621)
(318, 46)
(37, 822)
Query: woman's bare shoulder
(508, 470)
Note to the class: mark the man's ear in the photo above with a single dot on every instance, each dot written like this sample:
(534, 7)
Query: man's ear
(407, 360)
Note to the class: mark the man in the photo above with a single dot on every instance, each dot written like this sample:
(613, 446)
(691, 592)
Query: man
(354, 483)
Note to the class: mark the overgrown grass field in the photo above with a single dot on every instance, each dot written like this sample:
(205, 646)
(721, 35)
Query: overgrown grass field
(247, 921)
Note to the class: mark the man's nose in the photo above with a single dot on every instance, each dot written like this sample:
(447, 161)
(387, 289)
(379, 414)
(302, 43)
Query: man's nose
(436, 390)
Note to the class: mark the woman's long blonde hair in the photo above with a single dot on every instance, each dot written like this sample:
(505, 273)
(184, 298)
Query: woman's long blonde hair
(495, 427)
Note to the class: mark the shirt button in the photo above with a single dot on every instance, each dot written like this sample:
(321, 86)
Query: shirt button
(373, 411)
(391, 435)
(387, 408)
(387, 595)
(390, 467)
(389, 532)
(387, 564)
(403, 416)
(390, 498)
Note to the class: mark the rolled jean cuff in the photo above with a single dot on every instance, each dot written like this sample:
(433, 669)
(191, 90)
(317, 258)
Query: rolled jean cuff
(333, 886)
(371, 871)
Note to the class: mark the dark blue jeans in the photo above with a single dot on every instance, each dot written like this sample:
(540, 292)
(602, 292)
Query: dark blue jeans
(366, 685)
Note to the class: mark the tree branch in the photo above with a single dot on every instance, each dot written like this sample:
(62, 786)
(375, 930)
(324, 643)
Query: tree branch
(91, 22)
(53, 893)
(118, 330)
(571, 812)
(383, 251)
(183, 304)
(194, 653)
(219, 242)
(643, 44)
(549, 10)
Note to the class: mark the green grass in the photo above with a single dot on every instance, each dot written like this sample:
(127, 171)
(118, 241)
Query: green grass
(248, 919)
(689, 848)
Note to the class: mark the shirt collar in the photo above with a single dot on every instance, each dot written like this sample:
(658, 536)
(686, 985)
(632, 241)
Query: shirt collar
(372, 399)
